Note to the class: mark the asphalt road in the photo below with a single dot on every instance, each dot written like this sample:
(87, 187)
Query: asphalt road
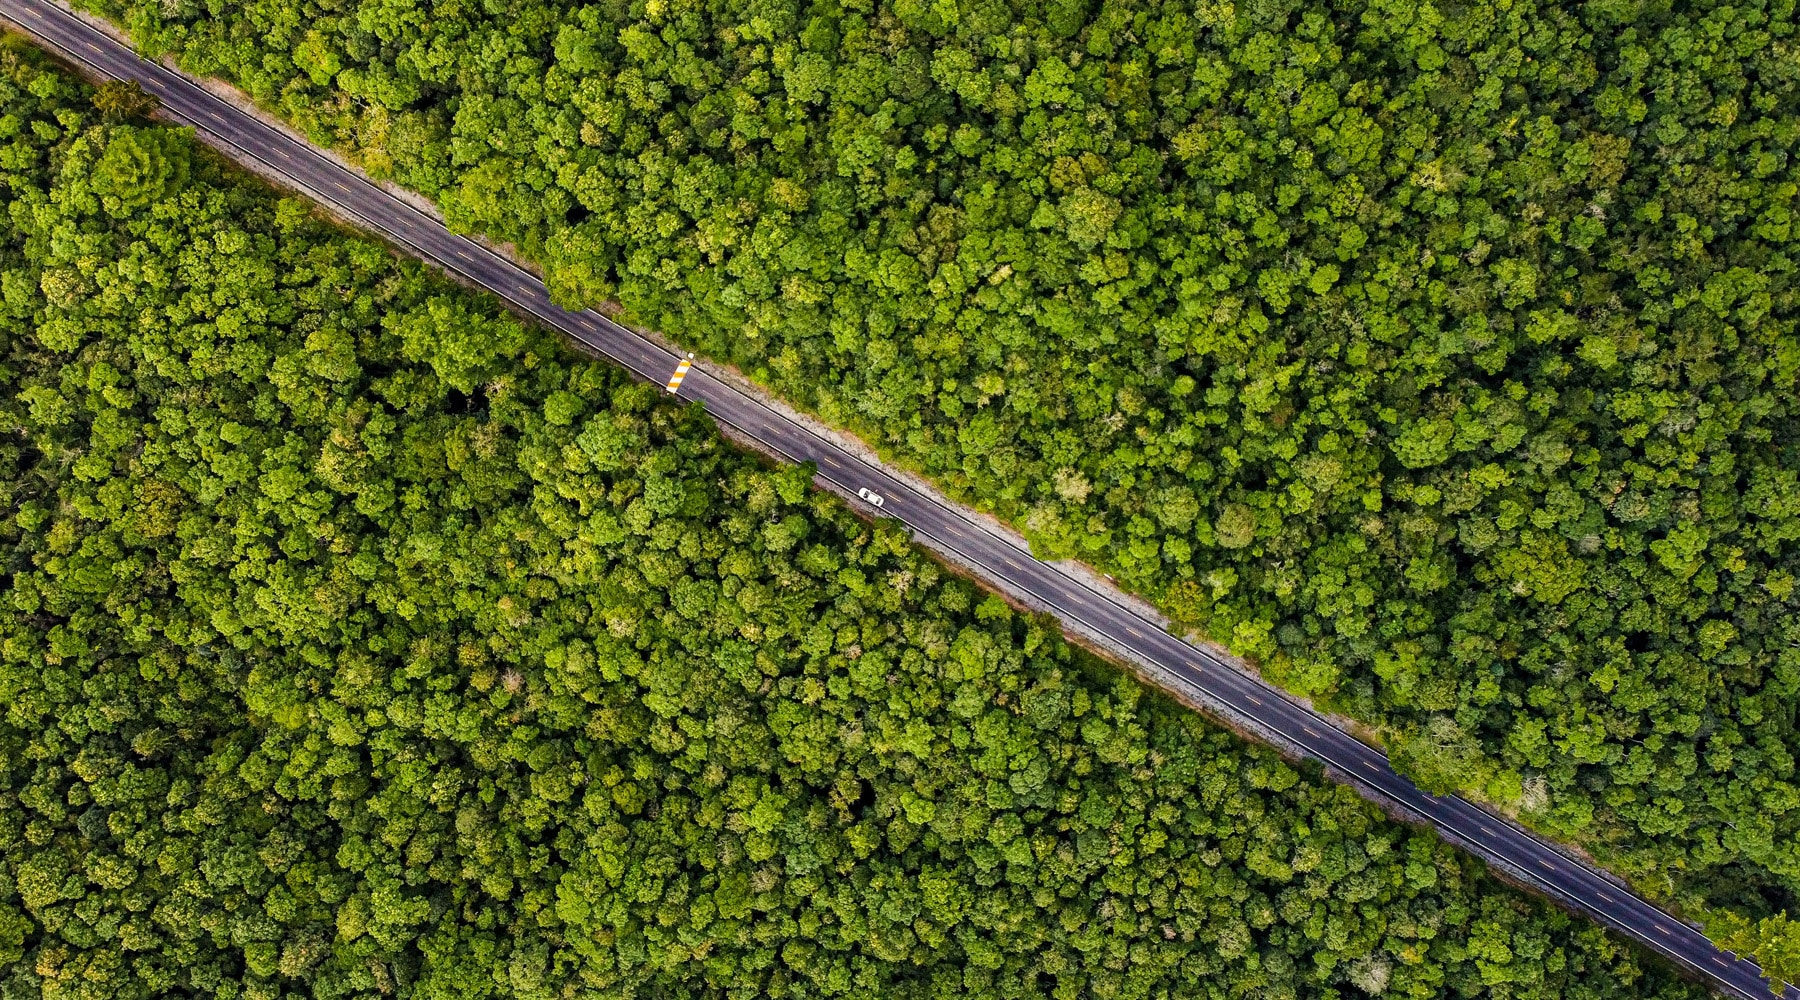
(1003, 561)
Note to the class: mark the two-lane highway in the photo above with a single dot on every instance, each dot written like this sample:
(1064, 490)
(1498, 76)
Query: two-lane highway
(1205, 678)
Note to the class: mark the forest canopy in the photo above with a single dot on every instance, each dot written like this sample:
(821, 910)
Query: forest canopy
(359, 640)
(1440, 357)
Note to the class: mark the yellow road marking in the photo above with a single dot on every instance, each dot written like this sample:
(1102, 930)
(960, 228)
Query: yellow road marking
(681, 371)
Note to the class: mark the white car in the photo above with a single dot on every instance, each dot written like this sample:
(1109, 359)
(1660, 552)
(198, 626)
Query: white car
(873, 497)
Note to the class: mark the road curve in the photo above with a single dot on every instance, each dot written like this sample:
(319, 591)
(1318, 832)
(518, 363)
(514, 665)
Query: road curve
(1201, 675)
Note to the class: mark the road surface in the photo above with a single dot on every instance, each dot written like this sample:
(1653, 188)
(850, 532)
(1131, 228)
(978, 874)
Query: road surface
(1004, 561)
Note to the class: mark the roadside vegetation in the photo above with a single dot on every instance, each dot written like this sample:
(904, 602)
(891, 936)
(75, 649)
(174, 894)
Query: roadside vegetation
(1440, 358)
(357, 640)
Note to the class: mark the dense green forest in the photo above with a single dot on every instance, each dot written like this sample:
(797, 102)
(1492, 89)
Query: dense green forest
(360, 641)
(1439, 357)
